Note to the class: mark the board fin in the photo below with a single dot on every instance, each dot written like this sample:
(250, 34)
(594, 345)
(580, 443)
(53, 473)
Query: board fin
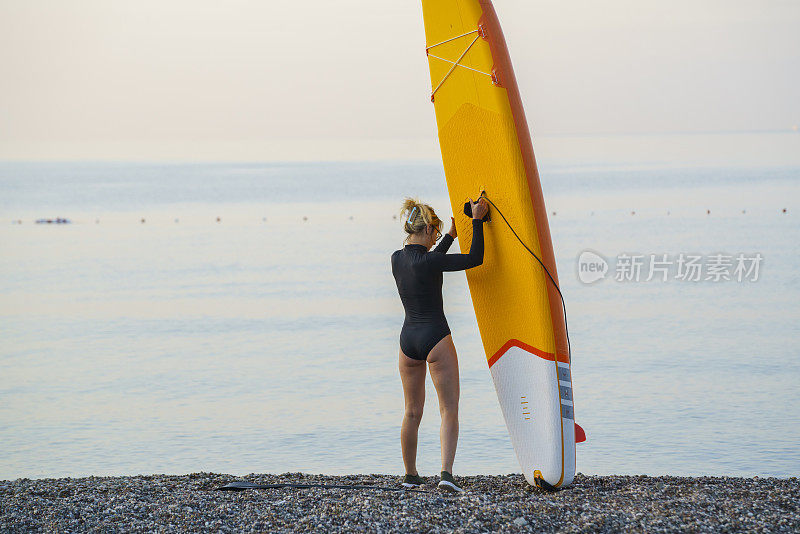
(580, 434)
(541, 483)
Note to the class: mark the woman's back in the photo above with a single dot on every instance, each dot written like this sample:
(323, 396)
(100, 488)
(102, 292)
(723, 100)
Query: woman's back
(418, 274)
(419, 282)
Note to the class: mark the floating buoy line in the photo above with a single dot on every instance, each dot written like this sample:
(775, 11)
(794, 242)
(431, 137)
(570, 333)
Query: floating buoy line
(304, 218)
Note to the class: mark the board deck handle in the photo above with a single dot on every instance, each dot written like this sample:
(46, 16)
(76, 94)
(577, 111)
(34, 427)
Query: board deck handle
(468, 209)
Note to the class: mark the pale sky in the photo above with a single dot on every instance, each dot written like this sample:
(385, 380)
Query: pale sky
(348, 79)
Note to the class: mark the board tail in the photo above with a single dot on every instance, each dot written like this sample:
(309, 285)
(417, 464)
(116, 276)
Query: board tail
(537, 407)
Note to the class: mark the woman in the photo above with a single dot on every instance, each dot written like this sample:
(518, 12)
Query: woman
(425, 335)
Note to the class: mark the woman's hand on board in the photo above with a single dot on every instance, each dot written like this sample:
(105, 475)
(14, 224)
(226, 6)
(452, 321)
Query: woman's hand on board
(479, 208)
(453, 232)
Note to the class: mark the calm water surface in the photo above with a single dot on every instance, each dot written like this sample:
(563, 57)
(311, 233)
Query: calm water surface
(268, 343)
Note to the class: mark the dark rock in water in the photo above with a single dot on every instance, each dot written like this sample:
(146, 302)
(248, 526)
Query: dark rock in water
(57, 220)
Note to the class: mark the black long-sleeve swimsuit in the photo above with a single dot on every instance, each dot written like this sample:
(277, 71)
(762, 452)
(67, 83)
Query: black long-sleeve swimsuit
(418, 274)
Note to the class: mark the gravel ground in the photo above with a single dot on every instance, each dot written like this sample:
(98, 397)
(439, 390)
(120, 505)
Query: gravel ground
(490, 504)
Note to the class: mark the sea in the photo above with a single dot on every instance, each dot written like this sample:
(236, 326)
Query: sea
(241, 317)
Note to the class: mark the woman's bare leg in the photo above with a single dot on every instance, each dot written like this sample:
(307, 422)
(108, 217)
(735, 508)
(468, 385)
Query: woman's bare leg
(443, 363)
(412, 374)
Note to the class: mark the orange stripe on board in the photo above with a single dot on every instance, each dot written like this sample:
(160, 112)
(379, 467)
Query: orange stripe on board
(524, 346)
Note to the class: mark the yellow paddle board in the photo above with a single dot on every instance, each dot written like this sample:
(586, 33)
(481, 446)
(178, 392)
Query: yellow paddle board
(486, 145)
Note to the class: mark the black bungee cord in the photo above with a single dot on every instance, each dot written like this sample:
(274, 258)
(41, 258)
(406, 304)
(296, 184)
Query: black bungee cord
(243, 485)
(563, 305)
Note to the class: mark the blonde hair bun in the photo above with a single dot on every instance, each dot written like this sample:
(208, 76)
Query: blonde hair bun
(418, 216)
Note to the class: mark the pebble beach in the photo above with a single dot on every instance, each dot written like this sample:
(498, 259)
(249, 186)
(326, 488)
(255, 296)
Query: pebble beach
(192, 503)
